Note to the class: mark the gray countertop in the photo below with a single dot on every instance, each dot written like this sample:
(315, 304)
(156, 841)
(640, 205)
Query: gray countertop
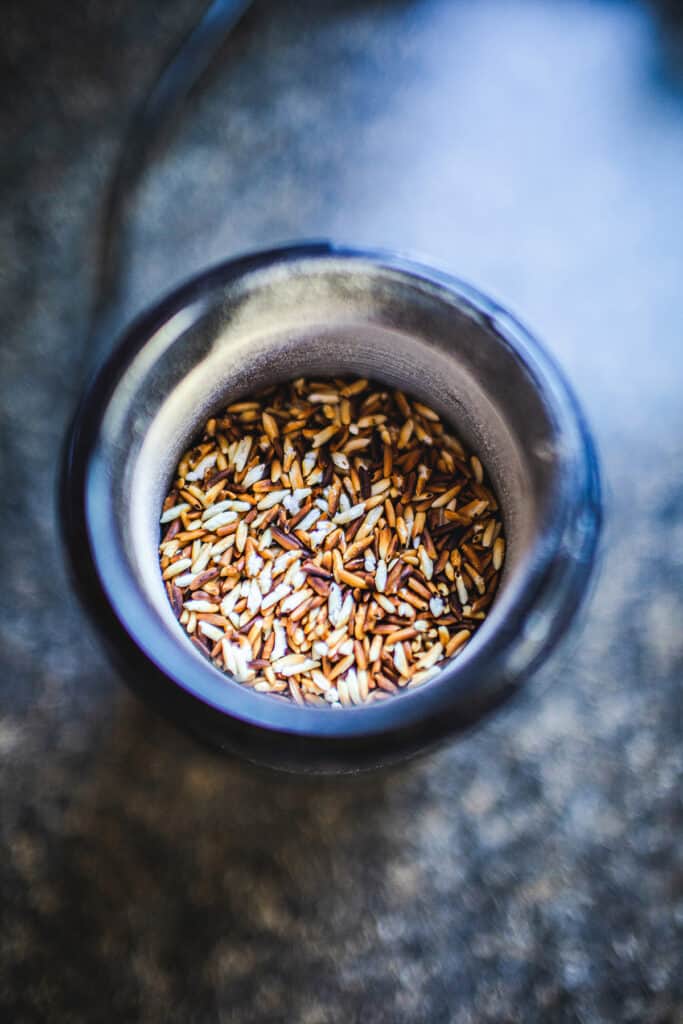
(534, 870)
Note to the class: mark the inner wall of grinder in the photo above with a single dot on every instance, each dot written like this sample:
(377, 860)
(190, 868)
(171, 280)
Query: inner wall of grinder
(236, 367)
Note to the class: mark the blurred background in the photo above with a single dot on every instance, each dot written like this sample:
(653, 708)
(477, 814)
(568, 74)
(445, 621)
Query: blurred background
(534, 870)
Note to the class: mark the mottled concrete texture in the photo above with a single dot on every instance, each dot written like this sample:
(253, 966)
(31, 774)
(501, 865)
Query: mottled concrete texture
(533, 871)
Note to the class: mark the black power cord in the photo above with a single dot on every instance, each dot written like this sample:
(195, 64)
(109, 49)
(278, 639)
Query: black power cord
(154, 116)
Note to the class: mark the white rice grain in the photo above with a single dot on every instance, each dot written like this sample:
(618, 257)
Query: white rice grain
(222, 519)
(334, 604)
(213, 632)
(282, 590)
(172, 513)
(201, 469)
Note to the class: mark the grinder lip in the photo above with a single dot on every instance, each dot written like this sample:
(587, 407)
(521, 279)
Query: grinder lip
(168, 673)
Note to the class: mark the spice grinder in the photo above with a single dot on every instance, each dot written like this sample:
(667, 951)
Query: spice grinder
(321, 310)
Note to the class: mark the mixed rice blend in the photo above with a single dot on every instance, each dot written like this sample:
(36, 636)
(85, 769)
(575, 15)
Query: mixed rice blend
(330, 542)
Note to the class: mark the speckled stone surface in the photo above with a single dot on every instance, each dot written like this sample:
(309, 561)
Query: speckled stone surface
(533, 871)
